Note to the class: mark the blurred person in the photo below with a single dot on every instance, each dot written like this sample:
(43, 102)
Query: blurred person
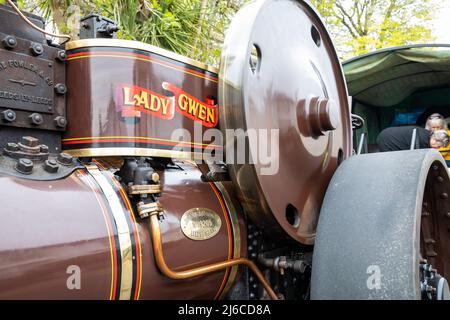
(399, 138)
(435, 122)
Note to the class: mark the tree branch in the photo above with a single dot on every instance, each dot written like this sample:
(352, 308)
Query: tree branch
(344, 14)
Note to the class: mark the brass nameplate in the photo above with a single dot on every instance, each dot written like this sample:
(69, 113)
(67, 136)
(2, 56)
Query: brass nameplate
(200, 223)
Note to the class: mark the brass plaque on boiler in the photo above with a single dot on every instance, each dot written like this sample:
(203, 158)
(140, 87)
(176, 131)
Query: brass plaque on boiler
(200, 223)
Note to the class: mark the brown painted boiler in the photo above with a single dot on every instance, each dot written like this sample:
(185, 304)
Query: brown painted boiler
(84, 226)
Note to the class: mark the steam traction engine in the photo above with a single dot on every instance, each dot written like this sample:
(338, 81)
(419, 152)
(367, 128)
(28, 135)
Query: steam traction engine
(104, 195)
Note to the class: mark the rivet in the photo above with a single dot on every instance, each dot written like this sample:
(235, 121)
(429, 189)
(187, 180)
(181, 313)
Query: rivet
(8, 115)
(36, 118)
(60, 122)
(61, 56)
(37, 49)
(9, 42)
(440, 179)
(60, 88)
(444, 195)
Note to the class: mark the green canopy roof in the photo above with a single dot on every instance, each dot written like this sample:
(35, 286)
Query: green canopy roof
(385, 78)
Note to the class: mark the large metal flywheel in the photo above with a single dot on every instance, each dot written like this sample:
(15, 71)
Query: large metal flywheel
(280, 73)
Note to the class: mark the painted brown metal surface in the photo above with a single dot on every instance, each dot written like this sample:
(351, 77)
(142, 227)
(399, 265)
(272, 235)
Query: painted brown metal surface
(49, 228)
(46, 228)
(435, 221)
(32, 76)
(128, 98)
(283, 76)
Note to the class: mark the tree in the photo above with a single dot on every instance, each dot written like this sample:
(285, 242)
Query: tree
(194, 28)
(360, 26)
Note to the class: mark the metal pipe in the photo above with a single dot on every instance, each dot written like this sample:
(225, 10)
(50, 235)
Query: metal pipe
(161, 263)
(31, 24)
(413, 140)
(362, 142)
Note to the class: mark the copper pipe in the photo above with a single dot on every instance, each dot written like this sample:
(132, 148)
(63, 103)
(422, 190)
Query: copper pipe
(31, 24)
(159, 257)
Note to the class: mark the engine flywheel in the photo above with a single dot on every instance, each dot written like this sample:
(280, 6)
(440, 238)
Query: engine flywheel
(281, 81)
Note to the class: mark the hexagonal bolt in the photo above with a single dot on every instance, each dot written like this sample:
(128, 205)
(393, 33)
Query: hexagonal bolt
(61, 56)
(51, 166)
(8, 115)
(60, 122)
(36, 118)
(65, 158)
(36, 49)
(24, 166)
(9, 42)
(29, 141)
(11, 146)
(44, 148)
(60, 88)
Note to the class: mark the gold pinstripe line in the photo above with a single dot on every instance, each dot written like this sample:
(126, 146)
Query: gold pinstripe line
(141, 59)
(137, 232)
(142, 138)
(89, 183)
(232, 213)
(123, 231)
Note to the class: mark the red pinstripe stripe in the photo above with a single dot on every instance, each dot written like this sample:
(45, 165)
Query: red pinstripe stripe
(148, 141)
(230, 239)
(133, 226)
(112, 237)
(142, 56)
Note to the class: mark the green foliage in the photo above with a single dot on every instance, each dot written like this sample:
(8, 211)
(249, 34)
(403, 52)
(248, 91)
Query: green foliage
(194, 28)
(361, 26)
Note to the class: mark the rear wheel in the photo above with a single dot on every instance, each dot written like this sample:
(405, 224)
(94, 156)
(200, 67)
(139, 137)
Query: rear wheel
(384, 229)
